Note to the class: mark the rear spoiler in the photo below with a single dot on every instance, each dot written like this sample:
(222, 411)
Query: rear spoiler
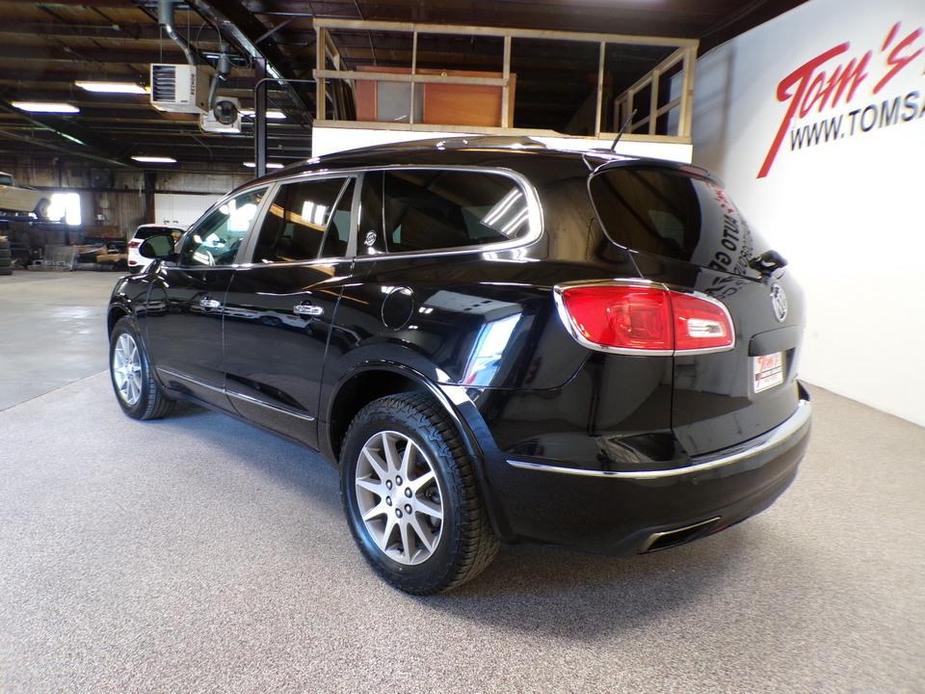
(607, 160)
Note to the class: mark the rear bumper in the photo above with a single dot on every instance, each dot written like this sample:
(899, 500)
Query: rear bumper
(627, 512)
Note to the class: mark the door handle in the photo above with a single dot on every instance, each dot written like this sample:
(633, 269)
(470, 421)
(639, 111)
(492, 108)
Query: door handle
(307, 310)
(206, 302)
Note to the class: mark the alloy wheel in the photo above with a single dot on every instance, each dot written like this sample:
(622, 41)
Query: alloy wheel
(399, 497)
(126, 369)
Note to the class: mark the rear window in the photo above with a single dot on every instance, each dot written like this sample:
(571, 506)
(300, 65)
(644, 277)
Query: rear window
(672, 214)
(151, 231)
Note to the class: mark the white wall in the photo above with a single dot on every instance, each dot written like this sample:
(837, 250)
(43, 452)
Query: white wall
(181, 209)
(847, 213)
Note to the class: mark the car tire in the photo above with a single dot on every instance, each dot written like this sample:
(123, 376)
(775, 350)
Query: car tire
(138, 393)
(462, 543)
(4, 271)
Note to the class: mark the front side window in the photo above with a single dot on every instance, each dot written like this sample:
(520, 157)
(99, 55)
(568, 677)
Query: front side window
(300, 217)
(215, 240)
(409, 210)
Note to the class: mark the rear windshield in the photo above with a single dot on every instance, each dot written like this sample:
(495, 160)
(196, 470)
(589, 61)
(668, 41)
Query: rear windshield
(670, 213)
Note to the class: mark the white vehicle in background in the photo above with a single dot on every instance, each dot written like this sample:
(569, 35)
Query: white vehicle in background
(136, 262)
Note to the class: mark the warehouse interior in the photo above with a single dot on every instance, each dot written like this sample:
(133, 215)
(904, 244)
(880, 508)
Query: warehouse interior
(198, 553)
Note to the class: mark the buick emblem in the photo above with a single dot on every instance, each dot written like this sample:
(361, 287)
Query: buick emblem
(779, 302)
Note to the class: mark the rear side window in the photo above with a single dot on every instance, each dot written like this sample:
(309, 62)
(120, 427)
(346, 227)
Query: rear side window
(298, 219)
(339, 228)
(669, 213)
(145, 232)
(425, 210)
(162, 245)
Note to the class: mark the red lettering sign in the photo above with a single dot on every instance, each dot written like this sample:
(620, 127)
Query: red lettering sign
(818, 85)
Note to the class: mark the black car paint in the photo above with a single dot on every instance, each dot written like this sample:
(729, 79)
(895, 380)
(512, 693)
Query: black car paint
(546, 400)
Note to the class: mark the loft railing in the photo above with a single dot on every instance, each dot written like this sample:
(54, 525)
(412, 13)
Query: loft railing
(677, 68)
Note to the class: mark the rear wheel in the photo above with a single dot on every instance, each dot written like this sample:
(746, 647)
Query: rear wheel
(410, 496)
(133, 381)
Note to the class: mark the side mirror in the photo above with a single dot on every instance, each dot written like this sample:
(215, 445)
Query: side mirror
(157, 247)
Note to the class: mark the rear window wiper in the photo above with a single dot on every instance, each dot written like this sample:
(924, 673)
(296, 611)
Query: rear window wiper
(767, 262)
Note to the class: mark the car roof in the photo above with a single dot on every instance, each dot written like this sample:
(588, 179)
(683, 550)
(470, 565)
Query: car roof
(531, 157)
(487, 149)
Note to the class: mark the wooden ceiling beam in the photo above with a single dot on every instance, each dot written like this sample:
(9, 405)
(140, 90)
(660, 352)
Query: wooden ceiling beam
(127, 32)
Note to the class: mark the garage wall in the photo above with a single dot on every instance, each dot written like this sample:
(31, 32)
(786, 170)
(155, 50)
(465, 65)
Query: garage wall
(181, 209)
(180, 197)
(816, 122)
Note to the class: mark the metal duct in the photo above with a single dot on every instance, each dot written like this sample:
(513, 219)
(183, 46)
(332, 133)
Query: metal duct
(165, 19)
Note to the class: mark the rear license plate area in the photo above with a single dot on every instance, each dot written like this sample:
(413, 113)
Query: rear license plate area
(767, 371)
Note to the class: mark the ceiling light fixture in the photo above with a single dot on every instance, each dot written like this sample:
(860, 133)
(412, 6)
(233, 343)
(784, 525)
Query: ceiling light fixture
(270, 165)
(46, 107)
(155, 160)
(112, 87)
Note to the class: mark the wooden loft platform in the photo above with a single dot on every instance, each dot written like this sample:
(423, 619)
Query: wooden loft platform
(421, 79)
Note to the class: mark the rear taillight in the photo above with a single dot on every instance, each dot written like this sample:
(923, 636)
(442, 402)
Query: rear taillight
(700, 323)
(645, 319)
(134, 244)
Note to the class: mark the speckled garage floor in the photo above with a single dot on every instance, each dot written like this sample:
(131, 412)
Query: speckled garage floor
(199, 554)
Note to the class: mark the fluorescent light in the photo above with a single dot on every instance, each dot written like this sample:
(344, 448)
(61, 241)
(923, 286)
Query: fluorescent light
(155, 160)
(272, 114)
(112, 87)
(46, 107)
(270, 165)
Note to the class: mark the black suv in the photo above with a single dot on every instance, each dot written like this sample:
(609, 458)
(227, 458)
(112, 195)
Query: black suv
(492, 340)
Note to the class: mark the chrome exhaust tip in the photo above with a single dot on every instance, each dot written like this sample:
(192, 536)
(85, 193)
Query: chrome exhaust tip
(677, 536)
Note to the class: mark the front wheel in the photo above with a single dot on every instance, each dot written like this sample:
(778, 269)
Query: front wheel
(133, 381)
(409, 492)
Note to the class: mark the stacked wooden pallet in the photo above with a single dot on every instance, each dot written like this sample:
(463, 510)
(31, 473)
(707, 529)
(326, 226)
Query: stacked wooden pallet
(6, 261)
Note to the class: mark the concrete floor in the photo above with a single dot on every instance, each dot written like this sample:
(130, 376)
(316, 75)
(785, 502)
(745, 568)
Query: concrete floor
(51, 327)
(199, 554)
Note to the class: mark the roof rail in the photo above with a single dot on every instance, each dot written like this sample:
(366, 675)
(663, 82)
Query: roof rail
(444, 143)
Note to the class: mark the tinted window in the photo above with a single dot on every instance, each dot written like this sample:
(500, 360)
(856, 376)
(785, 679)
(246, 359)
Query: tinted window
(422, 210)
(161, 245)
(297, 220)
(145, 232)
(338, 232)
(216, 239)
(672, 214)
